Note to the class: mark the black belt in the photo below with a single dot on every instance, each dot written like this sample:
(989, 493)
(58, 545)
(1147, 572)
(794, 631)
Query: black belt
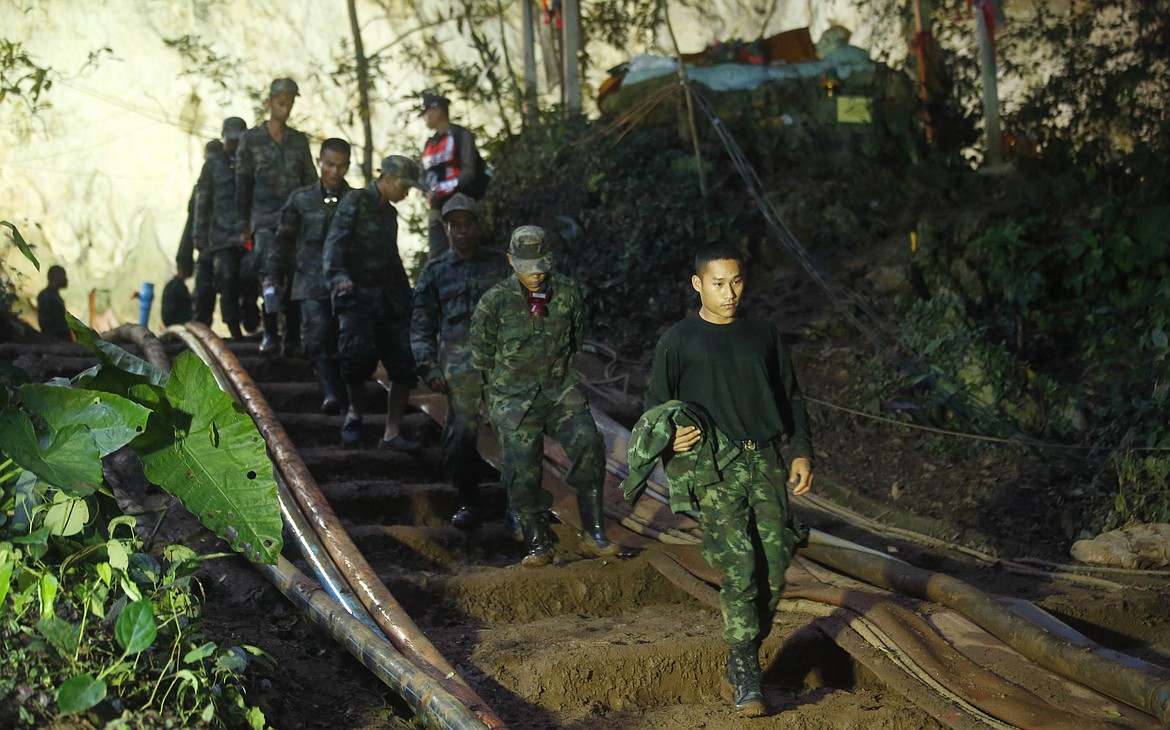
(751, 445)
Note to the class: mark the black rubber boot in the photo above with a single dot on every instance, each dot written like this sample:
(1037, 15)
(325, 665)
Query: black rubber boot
(593, 524)
(270, 342)
(234, 330)
(742, 685)
(332, 389)
(291, 347)
(469, 514)
(537, 537)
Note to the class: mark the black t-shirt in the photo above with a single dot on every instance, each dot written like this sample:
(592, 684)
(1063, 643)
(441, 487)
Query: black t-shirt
(739, 372)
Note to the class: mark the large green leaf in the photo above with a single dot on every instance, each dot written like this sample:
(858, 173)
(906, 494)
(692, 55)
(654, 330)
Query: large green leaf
(80, 693)
(113, 357)
(136, 629)
(112, 421)
(203, 449)
(22, 244)
(71, 460)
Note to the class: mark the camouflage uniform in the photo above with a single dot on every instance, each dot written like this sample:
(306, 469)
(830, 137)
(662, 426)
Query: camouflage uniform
(533, 389)
(217, 236)
(374, 321)
(740, 375)
(203, 305)
(299, 245)
(444, 300)
(267, 173)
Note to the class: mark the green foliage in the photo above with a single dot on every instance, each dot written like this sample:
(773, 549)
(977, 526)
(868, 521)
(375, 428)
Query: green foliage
(626, 215)
(95, 625)
(22, 80)
(90, 622)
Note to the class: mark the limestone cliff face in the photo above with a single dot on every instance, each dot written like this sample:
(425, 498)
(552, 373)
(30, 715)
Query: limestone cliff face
(99, 181)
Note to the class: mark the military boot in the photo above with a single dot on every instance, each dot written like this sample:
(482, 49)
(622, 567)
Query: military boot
(537, 537)
(332, 388)
(742, 684)
(270, 342)
(593, 524)
(469, 513)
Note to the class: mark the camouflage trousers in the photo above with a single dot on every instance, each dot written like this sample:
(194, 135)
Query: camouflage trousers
(461, 431)
(567, 421)
(320, 329)
(746, 537)
(371, 327)
(204, 294)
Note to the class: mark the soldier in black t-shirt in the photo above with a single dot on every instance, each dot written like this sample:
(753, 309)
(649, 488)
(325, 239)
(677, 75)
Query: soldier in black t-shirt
(738, 373)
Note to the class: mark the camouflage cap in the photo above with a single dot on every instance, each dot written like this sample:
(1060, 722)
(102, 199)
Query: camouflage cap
(234, 128)
(530, 250)
(460, 201)
(401, 167)
(283, 86)
(430, 101)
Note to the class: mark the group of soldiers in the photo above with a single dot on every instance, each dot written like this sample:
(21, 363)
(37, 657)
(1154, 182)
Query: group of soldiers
(482, 325)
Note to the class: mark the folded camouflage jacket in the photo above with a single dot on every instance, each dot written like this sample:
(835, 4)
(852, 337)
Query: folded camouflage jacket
(688, 473)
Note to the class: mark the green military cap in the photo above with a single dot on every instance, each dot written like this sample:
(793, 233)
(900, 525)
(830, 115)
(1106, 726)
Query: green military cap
(403, 168)
(283, 86)
(460, 201)
(234, 128)
(530, 250)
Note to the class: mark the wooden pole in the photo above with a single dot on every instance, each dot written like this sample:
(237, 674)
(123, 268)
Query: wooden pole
(362, 66)
(529, 63)
(684, 80)
(991, 126)
(570, 11)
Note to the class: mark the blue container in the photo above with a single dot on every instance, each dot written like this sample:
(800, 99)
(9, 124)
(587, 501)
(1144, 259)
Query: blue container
(145, 299)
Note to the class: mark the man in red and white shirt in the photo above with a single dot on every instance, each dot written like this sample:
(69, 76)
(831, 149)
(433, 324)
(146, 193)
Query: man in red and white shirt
(450, 164)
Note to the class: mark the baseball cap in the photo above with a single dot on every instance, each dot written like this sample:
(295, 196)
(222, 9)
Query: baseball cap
(430, 101)
(234, 128)
(530, 250)
(283, 86)
(460, 201)
(401, 167)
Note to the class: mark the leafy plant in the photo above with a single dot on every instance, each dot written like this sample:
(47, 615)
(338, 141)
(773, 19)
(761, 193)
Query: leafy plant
(120, 633)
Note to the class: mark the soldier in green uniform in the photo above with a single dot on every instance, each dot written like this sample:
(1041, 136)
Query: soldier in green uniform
(274, 160)
(524, 334)
(216, 235)
(51, 307)
(448, 289)
(299, 244)
(737, 374)
(371, 297)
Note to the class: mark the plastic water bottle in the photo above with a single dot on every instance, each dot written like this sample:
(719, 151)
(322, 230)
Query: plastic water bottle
(145, 299)
(271, 300)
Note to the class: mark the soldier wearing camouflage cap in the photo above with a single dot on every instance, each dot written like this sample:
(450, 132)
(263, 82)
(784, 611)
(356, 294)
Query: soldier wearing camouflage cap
(524, 334)
(448, 289)
(736, 372)
(274, 160)
(371, 297)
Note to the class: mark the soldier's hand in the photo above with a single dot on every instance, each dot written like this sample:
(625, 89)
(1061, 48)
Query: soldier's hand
(266, 282)
(343, 287)
(199, 243)
(686, 437)
(800, 476)
(437, 384)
